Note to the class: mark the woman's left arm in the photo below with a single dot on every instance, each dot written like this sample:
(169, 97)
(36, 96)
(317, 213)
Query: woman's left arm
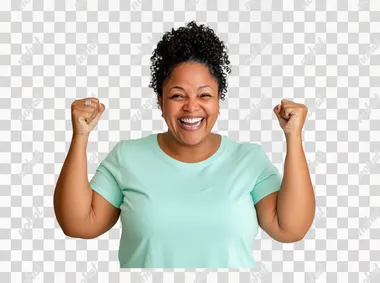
(288, 214)
(296, 200)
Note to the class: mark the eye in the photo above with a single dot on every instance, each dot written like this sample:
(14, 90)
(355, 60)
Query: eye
(175, 95)
(205, 94)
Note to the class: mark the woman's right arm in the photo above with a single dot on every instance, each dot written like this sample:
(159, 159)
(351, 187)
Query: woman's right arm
(80, 211)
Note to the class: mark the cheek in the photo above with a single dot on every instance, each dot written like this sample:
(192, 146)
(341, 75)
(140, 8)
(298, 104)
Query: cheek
(171, 110)
(212, 108)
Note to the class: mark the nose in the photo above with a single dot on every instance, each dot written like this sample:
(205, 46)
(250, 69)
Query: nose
(191, 104)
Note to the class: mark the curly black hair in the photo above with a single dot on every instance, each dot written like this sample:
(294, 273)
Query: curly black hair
(193, 43)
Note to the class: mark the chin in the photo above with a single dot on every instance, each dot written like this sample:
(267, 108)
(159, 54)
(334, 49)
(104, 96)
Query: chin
(190, 138)
(193, 140)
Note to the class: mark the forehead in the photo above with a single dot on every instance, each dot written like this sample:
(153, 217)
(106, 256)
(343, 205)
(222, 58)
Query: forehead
(190, 74)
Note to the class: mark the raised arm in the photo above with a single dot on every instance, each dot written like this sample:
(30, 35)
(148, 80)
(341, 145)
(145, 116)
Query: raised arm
(80, 211)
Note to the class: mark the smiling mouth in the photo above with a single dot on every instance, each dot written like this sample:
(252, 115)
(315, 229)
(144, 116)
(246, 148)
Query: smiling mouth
(191, 126)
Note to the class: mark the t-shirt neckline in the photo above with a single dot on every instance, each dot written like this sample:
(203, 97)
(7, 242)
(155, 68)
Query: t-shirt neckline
(167, 158)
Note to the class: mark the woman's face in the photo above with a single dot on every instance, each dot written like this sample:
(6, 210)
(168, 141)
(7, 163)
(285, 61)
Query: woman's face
(190, 92)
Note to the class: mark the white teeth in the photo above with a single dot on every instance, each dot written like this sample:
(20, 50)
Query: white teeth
(191, 120)
(194, 126)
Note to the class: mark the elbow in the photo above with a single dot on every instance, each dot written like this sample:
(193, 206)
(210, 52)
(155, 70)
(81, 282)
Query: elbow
(293, 234)
(78, 231)
(68, 234)
(73, 228)
(288, 239)
(291, 237)
(77, 235)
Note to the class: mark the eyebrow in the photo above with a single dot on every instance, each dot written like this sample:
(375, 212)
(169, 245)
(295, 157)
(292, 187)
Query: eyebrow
(176, 86)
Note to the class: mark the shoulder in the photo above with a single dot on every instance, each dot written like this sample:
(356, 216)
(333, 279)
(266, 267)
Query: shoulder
(127, 150)
(245, 147)
(136, 142)
(248, 153)
(135, 146)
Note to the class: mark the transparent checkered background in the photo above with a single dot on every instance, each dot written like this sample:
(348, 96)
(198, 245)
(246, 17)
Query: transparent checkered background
(324, 54)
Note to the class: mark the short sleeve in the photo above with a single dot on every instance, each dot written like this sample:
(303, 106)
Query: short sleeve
(270, 179)
(105, 180)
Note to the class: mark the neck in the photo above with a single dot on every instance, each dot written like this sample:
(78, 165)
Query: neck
(190, 153)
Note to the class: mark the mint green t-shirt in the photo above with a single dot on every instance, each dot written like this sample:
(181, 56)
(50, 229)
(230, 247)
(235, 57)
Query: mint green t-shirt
(186, 215)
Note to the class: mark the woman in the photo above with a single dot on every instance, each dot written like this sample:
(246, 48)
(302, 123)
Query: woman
(187, 197)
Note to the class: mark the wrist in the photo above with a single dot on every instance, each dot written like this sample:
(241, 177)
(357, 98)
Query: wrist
(81, 138)
(293, 137)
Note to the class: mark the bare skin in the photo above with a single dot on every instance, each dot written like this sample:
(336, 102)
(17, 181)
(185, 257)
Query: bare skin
(288, 214)
(212, 144)
(80, 211)
(285, 215)
(190, 91)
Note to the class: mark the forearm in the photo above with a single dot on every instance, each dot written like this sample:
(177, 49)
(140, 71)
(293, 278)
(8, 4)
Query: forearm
(73, 194)
(296, 200)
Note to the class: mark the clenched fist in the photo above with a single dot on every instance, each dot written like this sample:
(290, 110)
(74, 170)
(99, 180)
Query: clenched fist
(291, 116)
(85, 114)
